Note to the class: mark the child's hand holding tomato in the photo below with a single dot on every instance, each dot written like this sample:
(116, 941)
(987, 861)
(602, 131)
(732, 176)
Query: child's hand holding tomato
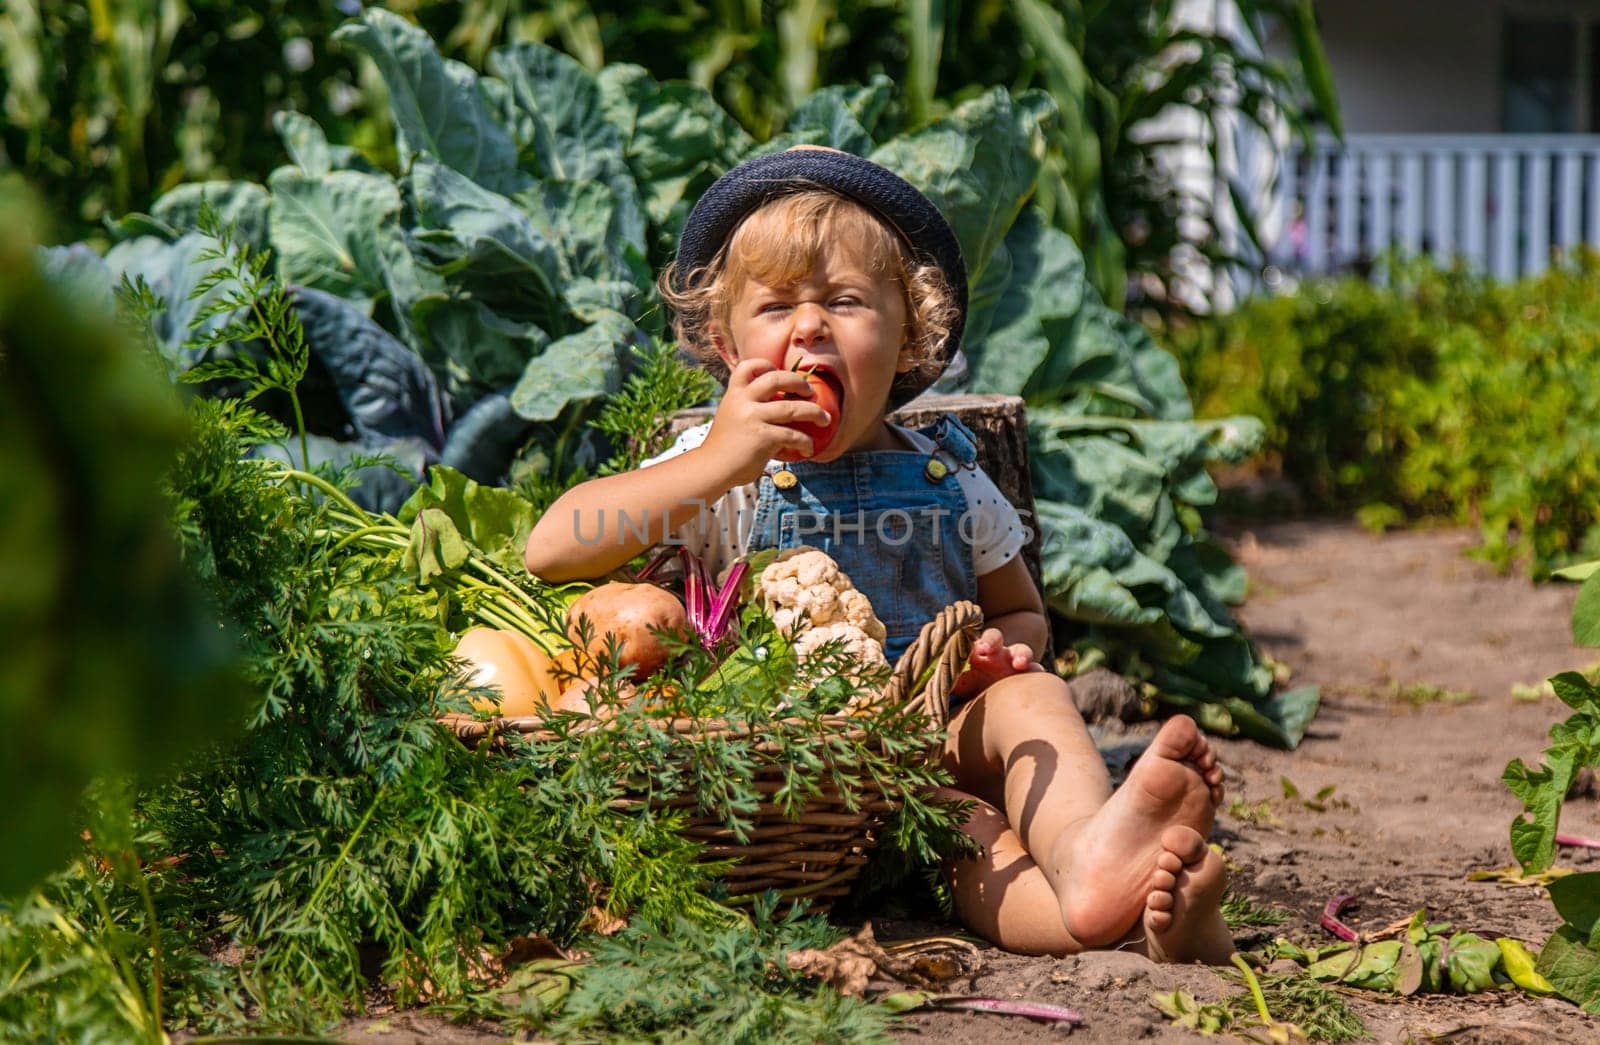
(826, 395)
(759, 418)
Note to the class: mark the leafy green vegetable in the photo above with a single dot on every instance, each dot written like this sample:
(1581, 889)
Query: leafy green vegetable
(1431, 958)
(492, 518)
(1574, 744)
(730, 984)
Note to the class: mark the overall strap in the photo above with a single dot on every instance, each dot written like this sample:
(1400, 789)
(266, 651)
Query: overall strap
(955, 447)
(953, 437)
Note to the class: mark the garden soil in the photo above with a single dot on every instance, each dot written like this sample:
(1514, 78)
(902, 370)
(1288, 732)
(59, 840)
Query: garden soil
(1381, 624)
(1417, 801)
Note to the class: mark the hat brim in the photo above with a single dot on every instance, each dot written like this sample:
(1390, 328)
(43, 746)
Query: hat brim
(756, 182)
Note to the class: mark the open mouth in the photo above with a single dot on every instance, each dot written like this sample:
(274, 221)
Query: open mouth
(825, 372)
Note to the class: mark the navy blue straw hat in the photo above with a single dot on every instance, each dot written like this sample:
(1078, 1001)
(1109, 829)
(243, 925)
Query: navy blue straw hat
(758, 181)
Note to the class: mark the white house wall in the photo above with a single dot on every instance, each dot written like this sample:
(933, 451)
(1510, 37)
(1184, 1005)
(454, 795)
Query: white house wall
(1419, 66)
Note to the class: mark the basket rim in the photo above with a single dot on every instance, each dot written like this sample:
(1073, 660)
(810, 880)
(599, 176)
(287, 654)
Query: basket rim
(933, 660)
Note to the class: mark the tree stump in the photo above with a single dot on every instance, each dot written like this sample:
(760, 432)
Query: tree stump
(1002, 430)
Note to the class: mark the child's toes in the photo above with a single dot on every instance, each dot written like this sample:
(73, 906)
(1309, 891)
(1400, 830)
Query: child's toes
(1168, 862)
(1187, 844)
(1158, 914)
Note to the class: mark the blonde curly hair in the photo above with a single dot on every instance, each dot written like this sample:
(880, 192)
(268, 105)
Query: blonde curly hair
(780, 243)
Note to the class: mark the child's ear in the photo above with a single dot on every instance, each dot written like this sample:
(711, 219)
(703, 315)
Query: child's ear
(725, 350)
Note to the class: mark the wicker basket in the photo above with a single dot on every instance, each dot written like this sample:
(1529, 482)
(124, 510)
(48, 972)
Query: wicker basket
(819, 854)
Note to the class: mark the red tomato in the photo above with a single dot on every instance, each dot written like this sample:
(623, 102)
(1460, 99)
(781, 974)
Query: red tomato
(827, 397)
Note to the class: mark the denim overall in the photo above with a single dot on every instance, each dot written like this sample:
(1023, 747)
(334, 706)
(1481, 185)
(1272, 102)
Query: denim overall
(890, 518)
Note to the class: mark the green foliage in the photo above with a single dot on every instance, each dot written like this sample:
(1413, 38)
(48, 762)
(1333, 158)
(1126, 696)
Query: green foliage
(1574, 744)
(114, 661)
(1571, 963)
(149, 108)
(1242, 912)
(1431, 958)
(1570, 959)
(522, 279)
(1441, 395)
(349, 841)
(1320, 1014)
(107, 104)
(349, 833)
(674, 980)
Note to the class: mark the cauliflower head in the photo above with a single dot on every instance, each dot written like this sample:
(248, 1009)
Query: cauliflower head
(854, 644)
(804, 588)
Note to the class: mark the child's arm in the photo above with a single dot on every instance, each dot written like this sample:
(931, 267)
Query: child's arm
(1016, 631)
(599, 525)
(583, 533)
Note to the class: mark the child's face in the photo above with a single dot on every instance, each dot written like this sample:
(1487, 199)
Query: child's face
(843, 318)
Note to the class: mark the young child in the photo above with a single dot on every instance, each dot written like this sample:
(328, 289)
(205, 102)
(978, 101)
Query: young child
(819, 260)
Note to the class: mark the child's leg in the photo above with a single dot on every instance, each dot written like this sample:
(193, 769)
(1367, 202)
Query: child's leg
(1022, 746)
(1001, 894)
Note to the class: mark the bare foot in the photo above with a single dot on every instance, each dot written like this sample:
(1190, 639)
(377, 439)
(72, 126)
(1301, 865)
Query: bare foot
(1183, 913)
(1106, 869)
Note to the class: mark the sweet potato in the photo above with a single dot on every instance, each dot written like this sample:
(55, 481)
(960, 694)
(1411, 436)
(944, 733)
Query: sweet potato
(633, 613)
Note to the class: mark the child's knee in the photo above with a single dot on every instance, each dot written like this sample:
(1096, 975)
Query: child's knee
(1031, 693)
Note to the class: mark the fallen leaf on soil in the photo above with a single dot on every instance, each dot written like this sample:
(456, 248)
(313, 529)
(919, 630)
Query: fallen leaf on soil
(598, 921)
(533, 947)
(857, 963)
(1514, 876)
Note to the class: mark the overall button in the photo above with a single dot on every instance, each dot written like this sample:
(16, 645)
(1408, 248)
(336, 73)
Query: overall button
(936, 470)
(784, 479)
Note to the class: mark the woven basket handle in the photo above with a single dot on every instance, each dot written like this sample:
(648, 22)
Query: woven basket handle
(943, 646)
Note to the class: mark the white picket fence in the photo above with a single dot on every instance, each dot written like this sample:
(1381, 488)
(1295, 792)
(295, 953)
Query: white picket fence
(1501, 202)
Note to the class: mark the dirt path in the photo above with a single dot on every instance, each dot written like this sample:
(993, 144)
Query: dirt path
(1417, 799)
